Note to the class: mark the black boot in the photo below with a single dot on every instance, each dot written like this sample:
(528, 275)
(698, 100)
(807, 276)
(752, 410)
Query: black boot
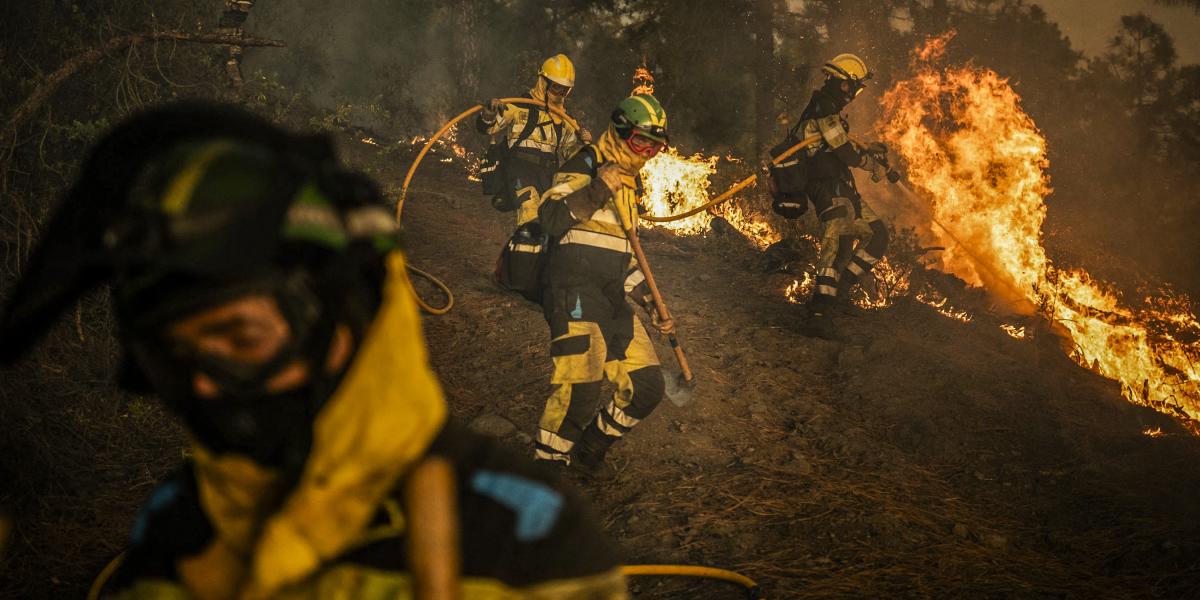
(588, 455)
(820, 317)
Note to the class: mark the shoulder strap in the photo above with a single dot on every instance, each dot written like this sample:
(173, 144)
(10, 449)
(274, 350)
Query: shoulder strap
(530, 125)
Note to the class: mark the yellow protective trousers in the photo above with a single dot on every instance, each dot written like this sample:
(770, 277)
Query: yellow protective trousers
(853, 241)
(529, 176)
(595, 334)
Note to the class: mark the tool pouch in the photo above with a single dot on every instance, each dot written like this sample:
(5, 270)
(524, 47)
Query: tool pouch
(491, 171)
(522, 261)
(789, 180)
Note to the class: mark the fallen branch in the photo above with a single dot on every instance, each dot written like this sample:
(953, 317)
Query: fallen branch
(46, 88)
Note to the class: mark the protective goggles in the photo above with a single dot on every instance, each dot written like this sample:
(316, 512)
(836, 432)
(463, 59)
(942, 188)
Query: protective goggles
(164, 359)
(645, 145)
(556, 88)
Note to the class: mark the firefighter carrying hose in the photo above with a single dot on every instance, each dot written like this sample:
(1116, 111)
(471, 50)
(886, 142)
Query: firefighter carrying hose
(854, 238)
(590, 272)
(260, 293)
(529, 143)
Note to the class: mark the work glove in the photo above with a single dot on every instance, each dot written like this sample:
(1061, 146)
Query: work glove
(492, 108)
(610, 174)
(878, 153)
(664, 326)
(874, 160)
(583, 202)
(878, 169)
(585, 136)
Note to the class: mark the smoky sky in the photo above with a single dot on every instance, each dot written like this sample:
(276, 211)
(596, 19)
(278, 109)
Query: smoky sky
(1091, 23)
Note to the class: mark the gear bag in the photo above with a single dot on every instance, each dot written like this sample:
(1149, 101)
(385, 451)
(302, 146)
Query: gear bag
(522, 260)
(492, 172)
(789, 180)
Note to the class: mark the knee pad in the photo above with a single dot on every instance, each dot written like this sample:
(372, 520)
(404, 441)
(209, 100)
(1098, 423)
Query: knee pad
(790, 208)
(879, 239)
(648, 390)
(845, 245)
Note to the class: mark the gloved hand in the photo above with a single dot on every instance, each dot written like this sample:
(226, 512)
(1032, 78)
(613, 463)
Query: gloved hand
(877, 149)
(610, 174)
(492, 108)
(585, 136)
(663, 326)
(878, 169)
(874, 160)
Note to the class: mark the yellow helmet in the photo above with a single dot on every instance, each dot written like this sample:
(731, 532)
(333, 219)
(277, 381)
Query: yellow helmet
(558, 68)
(848, 67)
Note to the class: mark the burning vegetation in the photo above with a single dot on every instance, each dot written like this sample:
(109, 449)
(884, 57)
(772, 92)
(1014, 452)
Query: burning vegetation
(942, 446)
(980, 161)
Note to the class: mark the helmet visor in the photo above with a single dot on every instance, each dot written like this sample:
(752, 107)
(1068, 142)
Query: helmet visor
(557, 89)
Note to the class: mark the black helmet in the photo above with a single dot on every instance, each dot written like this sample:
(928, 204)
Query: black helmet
(191, 204)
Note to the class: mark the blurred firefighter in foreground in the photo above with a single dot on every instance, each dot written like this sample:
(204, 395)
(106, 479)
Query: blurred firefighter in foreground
(260, 292)
(529, 143)
(854, 238)
(590, 272)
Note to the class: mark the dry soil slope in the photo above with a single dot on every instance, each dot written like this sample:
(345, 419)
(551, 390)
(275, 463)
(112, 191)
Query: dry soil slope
(920, 457)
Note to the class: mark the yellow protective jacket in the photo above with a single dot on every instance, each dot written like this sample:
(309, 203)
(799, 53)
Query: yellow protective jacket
(225, 521)
(593, 250)
(550, 140)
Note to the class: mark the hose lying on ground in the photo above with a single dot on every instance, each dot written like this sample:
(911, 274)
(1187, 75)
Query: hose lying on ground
(752, 589)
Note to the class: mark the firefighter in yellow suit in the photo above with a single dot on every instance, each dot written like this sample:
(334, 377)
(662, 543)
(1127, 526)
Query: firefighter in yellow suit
(261, 295)
(854, 238)
(590, 272)
(538, 140)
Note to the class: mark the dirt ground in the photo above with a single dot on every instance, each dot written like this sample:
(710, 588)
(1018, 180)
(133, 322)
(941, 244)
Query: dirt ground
(918, 457)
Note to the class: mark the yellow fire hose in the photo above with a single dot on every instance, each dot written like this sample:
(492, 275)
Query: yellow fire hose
(741, 185)
(752, 589)
(413, 169)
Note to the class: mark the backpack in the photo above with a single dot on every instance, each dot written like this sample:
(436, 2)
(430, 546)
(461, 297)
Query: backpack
(492, 174)
(789, 180)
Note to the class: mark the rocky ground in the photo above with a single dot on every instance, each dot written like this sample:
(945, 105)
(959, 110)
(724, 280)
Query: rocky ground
(919, 456)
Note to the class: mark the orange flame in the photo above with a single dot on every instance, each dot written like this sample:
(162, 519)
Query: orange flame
(675, 183)
(981, 161)
(934, 48)
(643, 81)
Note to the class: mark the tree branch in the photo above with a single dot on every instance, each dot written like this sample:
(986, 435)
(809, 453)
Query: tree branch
(38, 97)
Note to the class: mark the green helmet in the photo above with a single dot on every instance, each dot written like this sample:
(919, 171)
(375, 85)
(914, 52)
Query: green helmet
(641, 112)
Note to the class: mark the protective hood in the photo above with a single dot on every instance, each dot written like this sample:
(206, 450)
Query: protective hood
(538, 92)
(615, 149)
(833, 95)
(379, 421)
(612, 148)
